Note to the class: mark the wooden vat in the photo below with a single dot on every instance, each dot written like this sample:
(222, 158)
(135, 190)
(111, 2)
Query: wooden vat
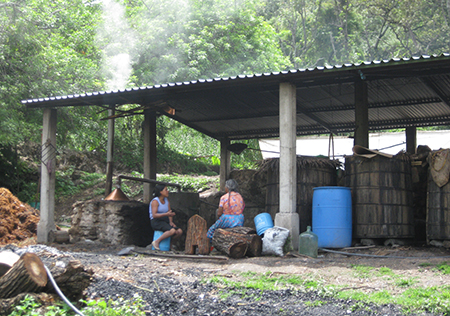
(311, 172)
(382, 196)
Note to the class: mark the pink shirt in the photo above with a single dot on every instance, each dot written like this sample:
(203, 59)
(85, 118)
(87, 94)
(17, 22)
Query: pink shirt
(236, 205)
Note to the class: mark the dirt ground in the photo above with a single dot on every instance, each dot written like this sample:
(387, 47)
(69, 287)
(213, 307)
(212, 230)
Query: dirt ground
(407, 263)
(172, 284)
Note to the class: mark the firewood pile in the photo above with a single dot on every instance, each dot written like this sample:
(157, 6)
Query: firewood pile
(18, 221)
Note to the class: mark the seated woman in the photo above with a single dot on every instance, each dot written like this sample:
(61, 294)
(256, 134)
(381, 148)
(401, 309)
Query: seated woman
(231, 208)
(161, 215)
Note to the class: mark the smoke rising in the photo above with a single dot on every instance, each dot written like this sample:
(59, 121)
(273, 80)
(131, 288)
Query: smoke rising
(117, 41)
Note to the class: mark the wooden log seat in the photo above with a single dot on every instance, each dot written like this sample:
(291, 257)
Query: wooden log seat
(237, 242)
(196, 236)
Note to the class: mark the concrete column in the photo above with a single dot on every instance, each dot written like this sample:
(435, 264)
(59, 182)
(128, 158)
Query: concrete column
(110, 152)
(411, 139)
(46, 226)
(225, 162)
(149, 130)
(288, 216)
(361, 114)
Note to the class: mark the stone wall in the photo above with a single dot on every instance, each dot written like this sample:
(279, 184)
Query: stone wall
(115, 222)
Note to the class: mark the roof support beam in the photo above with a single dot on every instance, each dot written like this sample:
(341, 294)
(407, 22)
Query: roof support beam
(361, 114)
(46, 226)
(411, 140)
(225, 162)
(149, 130)
(110, 151)
(288, 216)
(436, 90)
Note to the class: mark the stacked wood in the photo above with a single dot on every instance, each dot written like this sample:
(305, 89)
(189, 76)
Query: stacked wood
(27, 275)
(196, 236)
(237, 242)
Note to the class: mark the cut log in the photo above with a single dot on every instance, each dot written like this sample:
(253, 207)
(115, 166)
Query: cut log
(196, 236)
(72, 279)
(27, 275)
(229, 243)
(62, 236)
(247, 234)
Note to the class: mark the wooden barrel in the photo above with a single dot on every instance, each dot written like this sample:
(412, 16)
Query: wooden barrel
(311, 172)
(382, 196)
(438, 211)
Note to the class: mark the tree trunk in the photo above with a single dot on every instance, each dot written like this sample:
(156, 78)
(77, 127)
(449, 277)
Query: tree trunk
(27, 275)
(253, 240)
(230, 243)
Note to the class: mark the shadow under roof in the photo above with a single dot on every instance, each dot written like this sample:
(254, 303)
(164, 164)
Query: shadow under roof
(401, 93)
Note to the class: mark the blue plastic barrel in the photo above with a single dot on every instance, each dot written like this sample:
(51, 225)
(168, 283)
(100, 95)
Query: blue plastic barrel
(263, 222)
(164, 245)
(332, 216)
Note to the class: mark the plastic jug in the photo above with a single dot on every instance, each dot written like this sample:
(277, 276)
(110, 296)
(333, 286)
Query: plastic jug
(309, 243)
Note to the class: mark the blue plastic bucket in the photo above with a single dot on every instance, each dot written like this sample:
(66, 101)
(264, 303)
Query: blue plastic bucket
(263, 222)
(164, 245)
(332, 216)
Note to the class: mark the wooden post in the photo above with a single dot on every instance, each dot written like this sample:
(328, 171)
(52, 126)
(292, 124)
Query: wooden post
(149, 130)
(110, 151)
(46, 226)
(225, 162)
(361, 114)
(411, 139)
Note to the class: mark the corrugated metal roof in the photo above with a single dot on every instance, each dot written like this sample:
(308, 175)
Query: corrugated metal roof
(401, 92)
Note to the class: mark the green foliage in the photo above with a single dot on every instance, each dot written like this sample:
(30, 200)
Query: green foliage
(50, 48)
(28, 307)
(443, 267)
(189, 183)
(16, 176)
(119, 307)
(65, 184)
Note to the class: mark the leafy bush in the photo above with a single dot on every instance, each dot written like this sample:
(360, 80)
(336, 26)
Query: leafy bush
(29, 307)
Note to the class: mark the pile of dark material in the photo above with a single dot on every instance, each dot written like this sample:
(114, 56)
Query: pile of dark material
(169, 297)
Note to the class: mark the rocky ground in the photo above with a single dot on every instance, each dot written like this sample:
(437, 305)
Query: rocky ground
(176, 286)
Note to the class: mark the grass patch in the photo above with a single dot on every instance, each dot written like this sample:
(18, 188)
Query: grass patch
(412, 299)
(443, 267)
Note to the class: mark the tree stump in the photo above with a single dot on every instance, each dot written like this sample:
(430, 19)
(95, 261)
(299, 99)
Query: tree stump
(196, 236)
(248, 234)
(230, 243)
(27, 275)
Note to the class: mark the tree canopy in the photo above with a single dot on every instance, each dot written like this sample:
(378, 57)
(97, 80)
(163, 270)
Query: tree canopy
(59, 47)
